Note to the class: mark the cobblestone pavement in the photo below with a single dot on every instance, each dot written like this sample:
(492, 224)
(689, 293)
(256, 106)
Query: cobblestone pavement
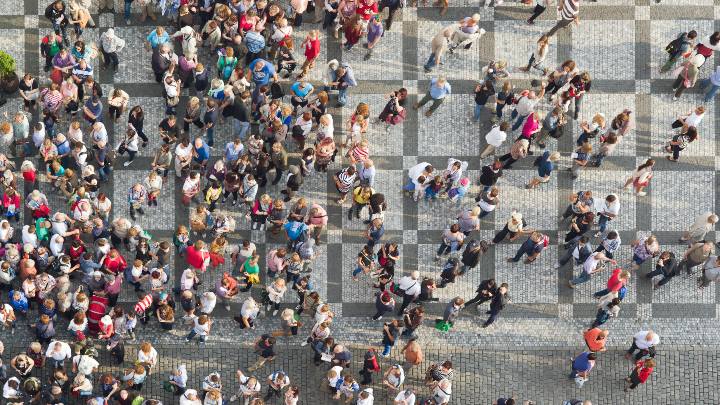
(621, 45)
(481, 375)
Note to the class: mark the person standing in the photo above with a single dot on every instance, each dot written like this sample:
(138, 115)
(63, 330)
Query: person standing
(711, 272)
(569, 13)
(438, 91)
(644, 249)
(644, 343)
(579, 252)
(408, 287)
(497, 304)
(311, 44)
(471, 255)
(110, 45)
(595, 339)
(680, 47)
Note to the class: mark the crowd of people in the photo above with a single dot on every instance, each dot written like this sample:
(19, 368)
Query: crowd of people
(68, 264)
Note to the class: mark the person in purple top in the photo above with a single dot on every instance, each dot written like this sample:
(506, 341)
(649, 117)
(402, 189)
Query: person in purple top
(375, 31)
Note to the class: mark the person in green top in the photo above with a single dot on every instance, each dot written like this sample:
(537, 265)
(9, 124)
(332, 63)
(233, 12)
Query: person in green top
(251, 271)
(42, 229)
(226, 64)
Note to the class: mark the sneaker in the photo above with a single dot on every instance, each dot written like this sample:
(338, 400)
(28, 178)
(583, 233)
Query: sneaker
(267, 308)
(597, 234)
(187, 340)
(301, 344)
(641, 193)
(227, 307)
(275, 312)
(128, 163)
(233, 398)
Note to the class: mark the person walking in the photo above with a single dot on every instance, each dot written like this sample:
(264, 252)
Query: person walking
(710, 272)
(680, 47)
(579, 253)
(666, 266)
(497, 304)
(593, 264)
(471, 255)
(532, 247)
(679, 142)
(569, 13)
(581, 367)
(545, 166)
(408, 287)
(641, 178)
(438, 91)
(703, 224)
(640, 374)
(696, 255)
(495, 138)
(607, 212)
(486, 290)
(540, 6)
(687, 75)
(595, 339)
(644, 343)
(616, 281)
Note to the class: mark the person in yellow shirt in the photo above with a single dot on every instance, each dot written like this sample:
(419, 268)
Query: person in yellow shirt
(361, 198)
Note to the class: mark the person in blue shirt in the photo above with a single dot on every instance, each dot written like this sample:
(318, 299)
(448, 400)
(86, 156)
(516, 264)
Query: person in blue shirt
(582, 365)
(545, 166)
(439, 89)
(18, 301)
(201, 152)
(255, 43)
(260, 72)
(296, 231)
(93, 110)
(233, 150)
(300, 92)
(157, 37)
(375, 232)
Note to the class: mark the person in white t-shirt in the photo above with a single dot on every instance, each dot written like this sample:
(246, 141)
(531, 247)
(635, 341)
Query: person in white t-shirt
(84, 364)
(608, 211)
(365, 397)
(441, 392)
(405, 397)
(249, 388)
(58, 351)
(495, 138)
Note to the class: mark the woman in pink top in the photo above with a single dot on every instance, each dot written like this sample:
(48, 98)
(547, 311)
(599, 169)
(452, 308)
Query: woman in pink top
(317, 218)
(532, 126)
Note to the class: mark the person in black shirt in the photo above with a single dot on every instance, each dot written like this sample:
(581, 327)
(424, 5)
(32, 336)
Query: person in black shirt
(265, 348)
(485, 292)
(29, 91)
(169, 130)
(136, 118)
(482, 93)
(489, 176)
(498, 302)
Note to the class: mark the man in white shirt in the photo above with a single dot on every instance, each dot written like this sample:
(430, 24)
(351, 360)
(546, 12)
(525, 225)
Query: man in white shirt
(442, 391)
(608, 211)
(84, 364)
(423, 169)
(410, 288)
(249, 388)
(58, 351)
(645, 342)
(592, 265)
(494, 139)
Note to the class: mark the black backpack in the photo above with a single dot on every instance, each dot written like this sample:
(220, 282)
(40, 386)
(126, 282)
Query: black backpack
(276, 92)
(674, 45)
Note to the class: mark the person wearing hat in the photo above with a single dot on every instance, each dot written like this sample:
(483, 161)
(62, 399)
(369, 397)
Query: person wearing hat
(545, 166)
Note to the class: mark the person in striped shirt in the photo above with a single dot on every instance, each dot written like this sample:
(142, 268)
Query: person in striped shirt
(569, 13)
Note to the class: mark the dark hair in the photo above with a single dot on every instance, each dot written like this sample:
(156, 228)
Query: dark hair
(592, 356)
(691, 133)
(715, 38)
(504, 126)
(612, 235)
(692, 34)
(584, 239)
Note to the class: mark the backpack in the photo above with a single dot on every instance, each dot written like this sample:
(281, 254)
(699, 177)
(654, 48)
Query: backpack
(674, 45)
(276, 92)
(622, 292)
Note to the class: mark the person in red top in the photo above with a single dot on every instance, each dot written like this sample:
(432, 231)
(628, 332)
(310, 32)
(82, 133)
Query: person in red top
(198, 256)
(114, 262)
(11, 204)
(640, 374)
(312, 50)
(353, 33)
(366, 9)
(595, 339)
(617, 281)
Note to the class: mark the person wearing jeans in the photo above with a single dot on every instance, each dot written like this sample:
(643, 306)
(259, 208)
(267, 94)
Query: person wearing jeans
(391, 332)
(580, 252)
(617, 280)
(201, 329)
(713, 82)
(439, 89)
(592, 264)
